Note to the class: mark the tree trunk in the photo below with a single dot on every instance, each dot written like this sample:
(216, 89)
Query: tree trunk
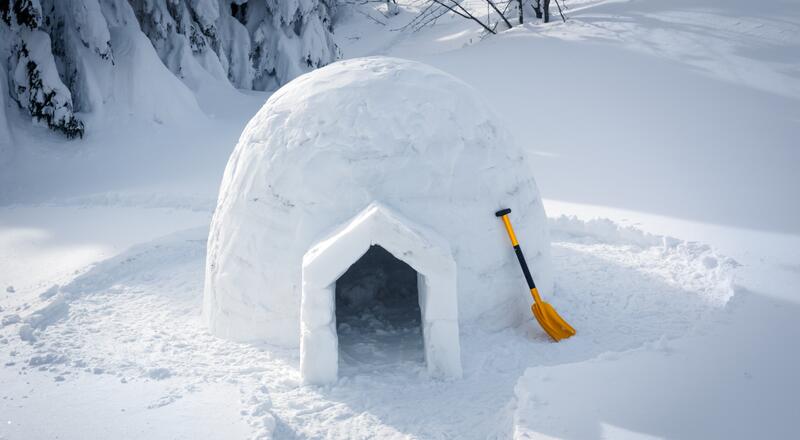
(537, 8)
(521, 20)
(546, 11)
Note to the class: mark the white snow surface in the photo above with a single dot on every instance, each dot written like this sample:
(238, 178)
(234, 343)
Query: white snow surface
(134, 321)
(362, 131)
(665, 143)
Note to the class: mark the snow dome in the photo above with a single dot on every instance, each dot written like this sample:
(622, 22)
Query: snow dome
(372, 180)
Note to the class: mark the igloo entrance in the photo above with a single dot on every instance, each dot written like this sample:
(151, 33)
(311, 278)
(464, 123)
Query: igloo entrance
(378, 317)
(428, 259)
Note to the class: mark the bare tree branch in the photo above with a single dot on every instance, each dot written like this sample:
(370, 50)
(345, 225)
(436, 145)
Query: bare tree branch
(428, 15)
(564, 19)
(494, 6)
(438, 8)
(465, 13)
(382, 23)
(451, 8)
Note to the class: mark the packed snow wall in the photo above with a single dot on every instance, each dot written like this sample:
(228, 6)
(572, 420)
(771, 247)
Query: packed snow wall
(60, 56)
(373, 130)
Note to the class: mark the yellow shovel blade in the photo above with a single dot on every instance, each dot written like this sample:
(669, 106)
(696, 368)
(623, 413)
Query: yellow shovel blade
(553, 324)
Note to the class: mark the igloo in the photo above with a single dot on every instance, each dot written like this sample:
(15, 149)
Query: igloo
(356, 164)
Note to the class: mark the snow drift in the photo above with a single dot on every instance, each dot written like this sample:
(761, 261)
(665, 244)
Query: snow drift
(373, 130)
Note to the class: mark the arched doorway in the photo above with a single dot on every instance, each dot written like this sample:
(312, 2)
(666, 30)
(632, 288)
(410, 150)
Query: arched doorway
(378, 318)
(427, 254)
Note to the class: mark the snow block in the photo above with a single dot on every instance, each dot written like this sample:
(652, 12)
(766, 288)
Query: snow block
(372, 151)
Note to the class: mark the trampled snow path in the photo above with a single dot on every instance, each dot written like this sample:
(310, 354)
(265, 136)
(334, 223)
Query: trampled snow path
(134, 320)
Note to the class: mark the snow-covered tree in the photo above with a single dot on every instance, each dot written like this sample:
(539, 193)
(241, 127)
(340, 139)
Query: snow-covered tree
(59, 55)
(34, 81)
(38, 87)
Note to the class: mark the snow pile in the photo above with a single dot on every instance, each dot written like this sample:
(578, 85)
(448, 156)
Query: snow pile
(363, 131)
(691, 265)
(143, 84)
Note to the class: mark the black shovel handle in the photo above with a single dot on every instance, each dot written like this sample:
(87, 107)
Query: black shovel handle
(503, 213)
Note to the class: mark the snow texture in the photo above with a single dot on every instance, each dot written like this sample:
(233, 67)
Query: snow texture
(363, 131)
(675, 118)
(142, 83)
(134, 322)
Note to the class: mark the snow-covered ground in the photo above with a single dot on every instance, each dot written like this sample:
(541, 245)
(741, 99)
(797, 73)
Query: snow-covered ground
(676, 123)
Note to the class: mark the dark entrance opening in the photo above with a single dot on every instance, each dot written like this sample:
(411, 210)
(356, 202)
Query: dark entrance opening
(378, 319)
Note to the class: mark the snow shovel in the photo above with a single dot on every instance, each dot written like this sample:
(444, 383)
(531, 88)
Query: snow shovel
(553, 324)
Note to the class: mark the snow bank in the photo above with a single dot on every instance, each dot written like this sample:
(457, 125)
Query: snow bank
(143, 85)
(686, 264)
(334, 141)
(700, 386)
